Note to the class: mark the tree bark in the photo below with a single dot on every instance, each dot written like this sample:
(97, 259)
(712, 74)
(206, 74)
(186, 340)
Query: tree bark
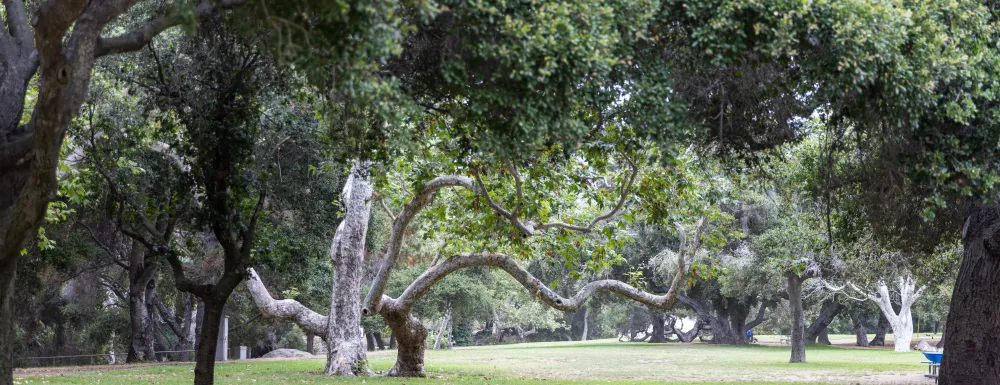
(347, 356)
(7, 271)
(411, 337)
(309, 343)
(370, 339)
(880, 330)
(972, 330)
(798, 318)
(586, 312)
(142, 339)
(341, 329)
(659, 334)
(860, 333)
(204, 368)
(830, 309)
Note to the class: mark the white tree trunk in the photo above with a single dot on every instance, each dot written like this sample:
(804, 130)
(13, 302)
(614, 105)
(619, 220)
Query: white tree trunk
(902, 322)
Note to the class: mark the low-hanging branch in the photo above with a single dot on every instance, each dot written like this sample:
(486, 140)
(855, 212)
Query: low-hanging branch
(289, 309)
(539, 289)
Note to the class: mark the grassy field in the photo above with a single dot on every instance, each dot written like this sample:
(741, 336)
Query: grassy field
(603, 361)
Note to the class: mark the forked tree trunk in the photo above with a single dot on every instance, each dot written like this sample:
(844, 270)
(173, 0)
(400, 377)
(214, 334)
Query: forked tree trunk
(411, 337)
(901, 322)
(346, 355)
(972, 348)
(798, 318)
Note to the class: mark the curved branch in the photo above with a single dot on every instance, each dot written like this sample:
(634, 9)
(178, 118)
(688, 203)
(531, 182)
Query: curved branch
(423, 198)
(286, 309)
(423, 284)
(140, 37)
(540, 290)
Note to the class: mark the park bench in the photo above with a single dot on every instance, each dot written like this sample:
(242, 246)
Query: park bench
(933, 364)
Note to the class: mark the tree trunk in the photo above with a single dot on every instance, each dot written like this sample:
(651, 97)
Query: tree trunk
(586, 312)
(204, 368)
(199, 322)
(379, 343)
(830, 309)
(392, 340)
(142, 338)
(659, 333)
(8, 269)
(442, 328)
(451, 337)
(972, 328)
(860, 333)
(880, 330)
(184, 340)
(309, 343)
(346, 355)
(798, 319)
(411, 336)
(824, 337)
(371, 341)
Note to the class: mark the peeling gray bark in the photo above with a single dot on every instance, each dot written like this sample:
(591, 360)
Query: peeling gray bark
(341, 329)
(347, 355)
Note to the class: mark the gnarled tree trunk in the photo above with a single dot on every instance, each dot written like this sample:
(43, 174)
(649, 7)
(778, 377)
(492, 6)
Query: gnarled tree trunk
(830, 309)
(972, 331)
(411, 340)
(346, 355)
(880, 330)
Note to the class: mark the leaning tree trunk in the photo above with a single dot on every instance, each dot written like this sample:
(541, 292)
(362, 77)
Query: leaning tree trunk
(830, 309)
(972, 330)
(346, 355)
(586, 312)
(798, 319)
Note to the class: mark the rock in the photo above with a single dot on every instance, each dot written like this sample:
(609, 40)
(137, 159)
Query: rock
(287, 353)
(923, 346)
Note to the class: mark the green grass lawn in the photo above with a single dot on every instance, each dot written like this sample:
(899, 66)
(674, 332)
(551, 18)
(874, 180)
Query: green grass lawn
(603, 361)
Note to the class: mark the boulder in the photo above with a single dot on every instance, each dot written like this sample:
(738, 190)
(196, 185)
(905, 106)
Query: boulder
(287, 353)
(923, 346)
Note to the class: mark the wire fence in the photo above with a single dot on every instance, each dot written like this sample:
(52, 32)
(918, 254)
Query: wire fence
(113, 358)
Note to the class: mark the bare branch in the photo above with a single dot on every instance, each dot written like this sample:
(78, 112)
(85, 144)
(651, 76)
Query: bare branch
(286, 309)
(517, 187)
(385, 207)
